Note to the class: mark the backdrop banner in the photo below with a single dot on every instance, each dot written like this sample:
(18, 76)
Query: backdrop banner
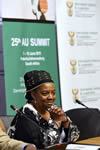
(29, 9)
(27, 46)
(78, 30)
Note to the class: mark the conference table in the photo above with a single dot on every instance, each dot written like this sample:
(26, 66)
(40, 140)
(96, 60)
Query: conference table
(88, 144)
(92, 141)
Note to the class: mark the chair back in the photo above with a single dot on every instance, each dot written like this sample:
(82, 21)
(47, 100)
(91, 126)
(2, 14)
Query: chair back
(2, 126)
(6, 121)
(87, 121)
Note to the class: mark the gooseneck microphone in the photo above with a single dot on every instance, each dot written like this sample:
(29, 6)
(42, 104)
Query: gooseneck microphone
(79, 102)
(18, 111)
(93, 110)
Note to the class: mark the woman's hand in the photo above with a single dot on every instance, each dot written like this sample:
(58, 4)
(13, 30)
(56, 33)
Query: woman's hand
(58, 115)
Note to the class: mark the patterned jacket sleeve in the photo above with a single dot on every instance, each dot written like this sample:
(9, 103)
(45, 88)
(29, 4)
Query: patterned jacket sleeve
(7, 143)
(72, 133)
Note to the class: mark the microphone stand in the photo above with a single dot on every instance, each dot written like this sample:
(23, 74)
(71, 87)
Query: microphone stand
(79, 102)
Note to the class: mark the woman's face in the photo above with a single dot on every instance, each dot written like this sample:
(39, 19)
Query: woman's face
(45, 95)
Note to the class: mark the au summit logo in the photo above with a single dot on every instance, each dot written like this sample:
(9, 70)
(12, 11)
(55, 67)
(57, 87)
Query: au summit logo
(39, 8)
(69, 5)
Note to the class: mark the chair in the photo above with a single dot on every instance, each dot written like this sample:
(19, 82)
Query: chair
(87, 121)
(2, 126)
(6, 121)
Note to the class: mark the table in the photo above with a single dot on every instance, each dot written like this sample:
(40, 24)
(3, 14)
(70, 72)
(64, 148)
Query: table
(88, 144)
(94, 141)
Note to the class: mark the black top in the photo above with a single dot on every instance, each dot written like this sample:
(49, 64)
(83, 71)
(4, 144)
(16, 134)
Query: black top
(30, 127)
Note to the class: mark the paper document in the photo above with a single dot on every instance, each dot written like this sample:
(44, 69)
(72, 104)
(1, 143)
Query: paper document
(82, 147)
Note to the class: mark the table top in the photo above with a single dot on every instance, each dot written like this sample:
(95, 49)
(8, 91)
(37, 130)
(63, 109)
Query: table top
(94, 141)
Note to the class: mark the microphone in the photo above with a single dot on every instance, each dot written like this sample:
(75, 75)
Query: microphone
(79, 102)
(93, 110)
(21, 113)
(28, 120)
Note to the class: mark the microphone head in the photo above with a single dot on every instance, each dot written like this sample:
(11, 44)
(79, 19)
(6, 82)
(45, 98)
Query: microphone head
(79, 102)
(15, 109)
(12, 107)
(75, 100)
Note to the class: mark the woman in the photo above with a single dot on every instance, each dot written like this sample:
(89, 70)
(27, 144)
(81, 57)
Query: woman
(40, 121)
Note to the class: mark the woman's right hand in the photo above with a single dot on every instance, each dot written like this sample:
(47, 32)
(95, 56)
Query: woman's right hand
(58, 115)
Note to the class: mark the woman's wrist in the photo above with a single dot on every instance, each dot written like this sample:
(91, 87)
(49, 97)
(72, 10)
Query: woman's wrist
(58, 123)
(66, 123)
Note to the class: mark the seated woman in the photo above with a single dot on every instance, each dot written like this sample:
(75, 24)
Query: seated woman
(40, 121)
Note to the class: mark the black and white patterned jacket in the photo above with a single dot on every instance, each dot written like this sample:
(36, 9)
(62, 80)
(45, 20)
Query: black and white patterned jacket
(30, 127)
